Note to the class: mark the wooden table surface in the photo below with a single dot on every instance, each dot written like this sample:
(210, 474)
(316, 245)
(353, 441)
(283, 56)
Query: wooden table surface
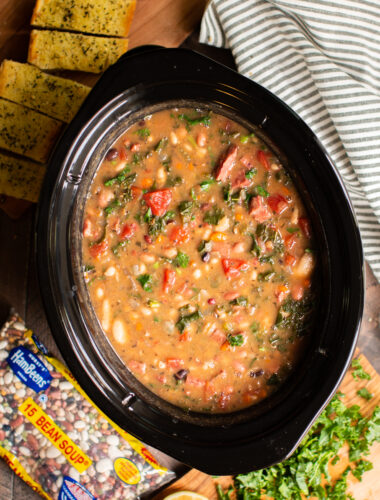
(165, 22)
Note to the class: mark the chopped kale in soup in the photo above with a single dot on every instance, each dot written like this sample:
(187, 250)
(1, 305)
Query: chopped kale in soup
(198, 260)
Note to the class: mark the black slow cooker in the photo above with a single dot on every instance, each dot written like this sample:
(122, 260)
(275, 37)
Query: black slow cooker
(142, 81)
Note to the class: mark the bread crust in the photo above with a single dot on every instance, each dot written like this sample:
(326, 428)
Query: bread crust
(54, 96)
(20, 178)
(101, 17)
(27, 132)
(51, 49)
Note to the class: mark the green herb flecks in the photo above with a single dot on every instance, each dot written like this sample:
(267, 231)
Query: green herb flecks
(245, 138)
(364, 393)
(359, 371)
(302, 474)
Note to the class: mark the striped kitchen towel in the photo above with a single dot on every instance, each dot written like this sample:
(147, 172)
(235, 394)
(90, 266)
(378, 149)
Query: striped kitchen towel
(322, 57)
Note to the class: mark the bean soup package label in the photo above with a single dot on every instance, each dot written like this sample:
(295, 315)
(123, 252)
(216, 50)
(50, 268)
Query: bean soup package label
(55, 438)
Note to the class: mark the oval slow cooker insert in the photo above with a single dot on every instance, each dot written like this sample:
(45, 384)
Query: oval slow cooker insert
(263, 434)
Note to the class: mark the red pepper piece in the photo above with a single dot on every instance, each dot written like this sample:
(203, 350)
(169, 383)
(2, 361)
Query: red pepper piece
(169, 280)
(128, 230)
(233, 267)
(98, 249)
(262, 156)
(179, 235)
(277, 203)
(158, 201)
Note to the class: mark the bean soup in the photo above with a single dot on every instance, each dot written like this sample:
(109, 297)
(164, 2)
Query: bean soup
(199, 259)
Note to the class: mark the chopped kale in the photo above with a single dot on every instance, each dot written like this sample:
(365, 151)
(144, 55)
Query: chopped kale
(231, 197)
(186, 208)
(157, 225)
(250, 174)
(114, 205)
(172, 181)
(161, 144)
(295, 315)
(239, 301)
(206, 183)
(143, 132)
(145, 281)
(235, 340)
(364, 393)
(301, 475)
(121, 177)
(203, 120)
(261, 191)
(359, 372)
(266, 233)
(214, 216)
(185, 320)
(181, 259)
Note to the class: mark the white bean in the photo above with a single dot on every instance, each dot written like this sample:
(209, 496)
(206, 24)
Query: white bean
(173, 138)
(304, 266)
(239, 247)
(119, 331)
(100, 292)
(223, 225)
(161, 176)
(146, 311)
(197, 274)
(106, 319)
(110, 271)
(170, 252)
(148, 258)
(294, 217)
(207, 233)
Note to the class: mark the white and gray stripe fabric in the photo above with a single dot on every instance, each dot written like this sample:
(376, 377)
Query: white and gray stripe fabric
(322, 57)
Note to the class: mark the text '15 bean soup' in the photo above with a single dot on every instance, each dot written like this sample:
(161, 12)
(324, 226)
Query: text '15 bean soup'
(198, 259)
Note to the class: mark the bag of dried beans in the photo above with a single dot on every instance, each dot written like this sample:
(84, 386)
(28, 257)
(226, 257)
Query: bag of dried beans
(55, 438)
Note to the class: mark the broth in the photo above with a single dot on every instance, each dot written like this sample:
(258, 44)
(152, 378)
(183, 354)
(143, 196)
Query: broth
(198, 260)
